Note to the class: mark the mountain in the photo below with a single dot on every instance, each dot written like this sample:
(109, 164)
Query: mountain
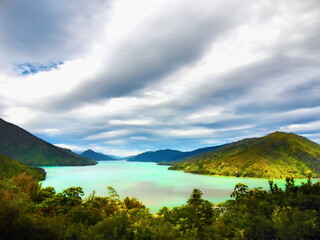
(157, 156)
(182, 155)
(96, 156)
(165, 157)
(276, 155)
(117, 157)
(21, 145)
(10, 168)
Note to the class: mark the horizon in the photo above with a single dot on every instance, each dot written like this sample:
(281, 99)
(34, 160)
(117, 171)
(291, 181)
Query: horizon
(188, 150)
(154, 150)
(122, 77)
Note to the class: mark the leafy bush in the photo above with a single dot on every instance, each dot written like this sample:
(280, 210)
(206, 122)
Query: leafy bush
(28, 211)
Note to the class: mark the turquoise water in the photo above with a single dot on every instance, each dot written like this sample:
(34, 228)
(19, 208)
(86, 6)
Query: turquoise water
(154, 185)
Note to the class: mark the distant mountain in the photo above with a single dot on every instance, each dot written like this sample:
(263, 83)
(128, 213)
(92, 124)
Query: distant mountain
(21, 145)
(182, 155)
(276, 155)
(10, 168)
(157, 156)
(127, 157)
(116, 157)
(96, 156)
(165, 157)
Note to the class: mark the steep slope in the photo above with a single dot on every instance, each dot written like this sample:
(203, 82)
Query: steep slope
(276, 155)
(157, 156)
(10, 168)
(21, 145)
(96, 156)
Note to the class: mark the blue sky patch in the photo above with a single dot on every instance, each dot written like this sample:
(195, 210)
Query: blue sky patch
(28, 68)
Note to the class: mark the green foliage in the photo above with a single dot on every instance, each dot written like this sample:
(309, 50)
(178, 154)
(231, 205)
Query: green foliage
(28, 211)
(240, 190)
(59, 203)
(28, 185)
(46, 193)
(17, 223)
(113, 194)
(193, 218)
(277, 155)
(10, 168)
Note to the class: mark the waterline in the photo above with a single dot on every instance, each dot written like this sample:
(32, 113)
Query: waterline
(153, 184)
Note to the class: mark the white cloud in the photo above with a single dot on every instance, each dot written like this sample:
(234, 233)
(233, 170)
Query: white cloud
(109, 134)
(312, 126)
(116, 142)
(73, 148)
(161, 72)
(136, 122)
(138, 138)
(116, 151)
(189, 133)
(49, 131)
(20, 115)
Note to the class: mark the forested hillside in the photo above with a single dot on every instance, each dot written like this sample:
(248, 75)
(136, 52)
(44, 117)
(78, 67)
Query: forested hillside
(21, 145)
(10, 168)
(276, 155)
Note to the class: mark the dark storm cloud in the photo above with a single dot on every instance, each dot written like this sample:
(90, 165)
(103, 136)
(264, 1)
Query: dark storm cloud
(239, 83)
(41, 32)
(297, 96)
(236, 89)
(229, 123)
(303, 95)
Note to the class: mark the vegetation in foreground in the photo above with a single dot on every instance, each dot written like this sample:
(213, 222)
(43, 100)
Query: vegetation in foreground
(276, 155)
(28, 211)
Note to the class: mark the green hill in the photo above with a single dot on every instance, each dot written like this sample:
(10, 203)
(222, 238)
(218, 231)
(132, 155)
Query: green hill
(276, 155)
(21, 145)
(96, 156)
(10, 168)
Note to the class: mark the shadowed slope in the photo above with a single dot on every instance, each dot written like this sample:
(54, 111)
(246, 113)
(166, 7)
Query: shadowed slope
(157, 156)
(21, 145)
(96, 156)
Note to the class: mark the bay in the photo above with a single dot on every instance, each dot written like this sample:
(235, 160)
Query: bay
(152, 184)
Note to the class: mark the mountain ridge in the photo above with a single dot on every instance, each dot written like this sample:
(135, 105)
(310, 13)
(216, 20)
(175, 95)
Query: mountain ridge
(276, 155)
(184, 155)
(19, 144)
(154, 156)
(96, 156)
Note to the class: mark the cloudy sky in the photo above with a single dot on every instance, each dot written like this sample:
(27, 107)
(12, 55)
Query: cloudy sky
(123, 76)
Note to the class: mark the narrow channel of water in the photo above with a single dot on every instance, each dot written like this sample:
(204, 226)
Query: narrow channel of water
(154, 185)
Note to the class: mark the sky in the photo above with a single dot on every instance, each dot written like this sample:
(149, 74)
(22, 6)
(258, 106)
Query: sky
(123, 77)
